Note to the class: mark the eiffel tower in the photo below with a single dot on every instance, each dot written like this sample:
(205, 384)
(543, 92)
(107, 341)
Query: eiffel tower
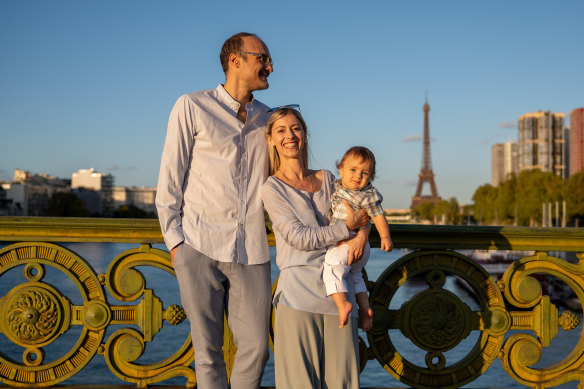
(426, 174)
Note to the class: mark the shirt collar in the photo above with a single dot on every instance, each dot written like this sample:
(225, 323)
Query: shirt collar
(226, 98)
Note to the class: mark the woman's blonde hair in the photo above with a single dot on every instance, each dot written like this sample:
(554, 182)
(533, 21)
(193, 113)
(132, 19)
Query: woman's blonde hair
(272, 152)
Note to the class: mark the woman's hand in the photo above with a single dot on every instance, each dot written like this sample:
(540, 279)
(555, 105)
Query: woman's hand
(355, 219)
(356, 245)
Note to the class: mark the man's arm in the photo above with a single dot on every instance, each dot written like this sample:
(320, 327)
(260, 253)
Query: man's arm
(173, 167)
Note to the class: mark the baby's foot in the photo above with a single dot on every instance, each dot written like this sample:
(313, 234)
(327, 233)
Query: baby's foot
(344, 311)
(366, 319)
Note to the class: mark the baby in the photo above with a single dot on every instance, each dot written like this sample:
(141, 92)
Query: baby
(357, 170)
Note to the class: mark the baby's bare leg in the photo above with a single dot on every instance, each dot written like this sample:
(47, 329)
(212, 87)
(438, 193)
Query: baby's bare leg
(344, 307)
(365, 312)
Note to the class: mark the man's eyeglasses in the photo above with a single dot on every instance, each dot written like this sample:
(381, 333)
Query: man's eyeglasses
(264, 58)
(293, 106)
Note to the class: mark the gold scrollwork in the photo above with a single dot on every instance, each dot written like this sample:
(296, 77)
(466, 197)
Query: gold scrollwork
(174, 315)
(33, 356)
(125, 346)
(522, 350)
(34, 272)
(35, 313)
(436, 320)
(96, 314)
(126, 283)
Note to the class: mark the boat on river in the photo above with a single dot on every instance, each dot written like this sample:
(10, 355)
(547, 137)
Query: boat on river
(496, 262)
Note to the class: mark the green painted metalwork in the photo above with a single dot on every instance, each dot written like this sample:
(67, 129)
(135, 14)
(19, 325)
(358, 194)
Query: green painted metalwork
(34, 313)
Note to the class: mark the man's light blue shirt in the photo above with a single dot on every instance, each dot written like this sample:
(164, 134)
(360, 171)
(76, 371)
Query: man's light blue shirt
(211, 173)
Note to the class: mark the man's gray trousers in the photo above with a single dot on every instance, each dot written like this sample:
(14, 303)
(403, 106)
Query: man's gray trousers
(208, 288)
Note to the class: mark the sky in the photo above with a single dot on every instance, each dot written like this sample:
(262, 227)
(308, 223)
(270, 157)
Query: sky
(90, 84)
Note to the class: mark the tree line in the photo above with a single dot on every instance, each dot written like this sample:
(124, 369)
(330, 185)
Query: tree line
(519, 200)
(67, 204)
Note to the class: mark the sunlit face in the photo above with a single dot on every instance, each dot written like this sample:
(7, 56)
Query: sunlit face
(355, 173)
(288, 137)
(252, 69)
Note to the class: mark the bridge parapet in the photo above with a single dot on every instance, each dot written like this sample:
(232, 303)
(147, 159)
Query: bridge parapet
(514, 321)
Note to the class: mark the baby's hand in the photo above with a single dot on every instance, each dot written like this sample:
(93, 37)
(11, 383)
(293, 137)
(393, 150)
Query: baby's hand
(386, 244)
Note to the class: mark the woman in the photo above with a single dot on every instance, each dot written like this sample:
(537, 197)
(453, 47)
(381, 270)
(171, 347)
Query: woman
(311, 351)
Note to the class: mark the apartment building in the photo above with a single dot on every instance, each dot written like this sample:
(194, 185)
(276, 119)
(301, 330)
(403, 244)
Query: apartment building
(504, 161)
(576, 145)
(541, 142)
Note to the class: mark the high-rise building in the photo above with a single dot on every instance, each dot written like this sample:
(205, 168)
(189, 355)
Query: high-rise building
(541, 142)
(576, 140)
(504, 161)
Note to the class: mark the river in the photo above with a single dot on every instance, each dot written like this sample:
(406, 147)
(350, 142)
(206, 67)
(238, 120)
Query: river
(99, 255)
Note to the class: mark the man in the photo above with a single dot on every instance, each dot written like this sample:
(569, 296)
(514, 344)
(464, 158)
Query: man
(208, 200)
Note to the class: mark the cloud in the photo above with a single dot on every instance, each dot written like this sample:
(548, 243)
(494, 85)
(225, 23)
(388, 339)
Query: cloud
(486, 142)
(507, 125)
(417, 137)
(495, 138)
(413, 138)
(412, 183)
(114, 168)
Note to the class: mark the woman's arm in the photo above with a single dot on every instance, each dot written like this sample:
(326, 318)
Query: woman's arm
(296, 223)
(304, 238)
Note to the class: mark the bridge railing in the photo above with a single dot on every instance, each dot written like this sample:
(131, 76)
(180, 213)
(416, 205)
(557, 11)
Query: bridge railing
(35, 312)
